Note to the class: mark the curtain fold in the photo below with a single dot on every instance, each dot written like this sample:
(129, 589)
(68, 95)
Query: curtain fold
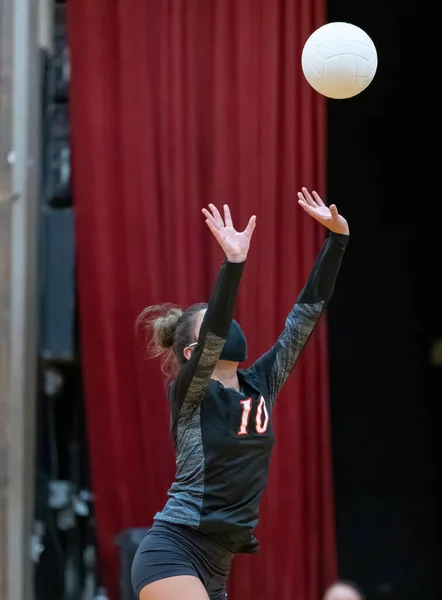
(175, 104)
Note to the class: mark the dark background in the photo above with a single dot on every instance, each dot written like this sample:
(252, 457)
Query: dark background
(383, 174)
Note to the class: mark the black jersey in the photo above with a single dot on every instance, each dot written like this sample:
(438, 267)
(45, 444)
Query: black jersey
(224, 438)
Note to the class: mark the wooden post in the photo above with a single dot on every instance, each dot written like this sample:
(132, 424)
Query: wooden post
(6, 19)
(19, 199)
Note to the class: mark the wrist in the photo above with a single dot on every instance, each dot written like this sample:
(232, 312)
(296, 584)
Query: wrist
(339, 236)
(236, 258)
(341, 231)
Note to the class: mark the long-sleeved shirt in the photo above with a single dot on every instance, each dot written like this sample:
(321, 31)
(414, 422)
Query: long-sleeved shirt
(224, 438)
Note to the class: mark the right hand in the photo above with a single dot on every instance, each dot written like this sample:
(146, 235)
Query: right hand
(234, 243)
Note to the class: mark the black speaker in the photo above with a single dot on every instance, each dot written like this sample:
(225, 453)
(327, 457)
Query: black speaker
(60, 72)
(60, 20)
(128, 542)
(57, 168)
(57, 297)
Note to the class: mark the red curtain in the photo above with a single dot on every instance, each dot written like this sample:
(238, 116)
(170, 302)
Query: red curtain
(175, 104)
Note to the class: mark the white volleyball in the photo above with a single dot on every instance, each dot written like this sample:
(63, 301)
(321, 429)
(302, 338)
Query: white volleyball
(339, 60)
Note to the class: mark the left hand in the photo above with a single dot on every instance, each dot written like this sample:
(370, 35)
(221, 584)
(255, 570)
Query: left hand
(326, 215)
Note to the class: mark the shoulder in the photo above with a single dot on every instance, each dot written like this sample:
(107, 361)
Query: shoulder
(252, 375)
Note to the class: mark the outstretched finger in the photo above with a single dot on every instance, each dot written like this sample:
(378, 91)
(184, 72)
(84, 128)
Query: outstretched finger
(250, 226)
(307, 207)
(307, 197)
(333, 211)
(216, 215)
(227, 216)
(318, 199)
(213, 228)
(211, 218)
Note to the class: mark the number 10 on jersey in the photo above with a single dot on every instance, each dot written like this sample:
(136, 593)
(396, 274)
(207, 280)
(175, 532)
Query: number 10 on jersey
(261, 417)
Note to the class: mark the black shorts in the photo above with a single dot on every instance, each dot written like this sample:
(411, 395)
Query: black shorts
(169, 550)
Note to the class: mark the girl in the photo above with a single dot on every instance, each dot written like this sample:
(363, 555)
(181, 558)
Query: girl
(221, 416)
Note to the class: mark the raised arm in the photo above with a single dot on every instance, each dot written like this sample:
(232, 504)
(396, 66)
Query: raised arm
(277, 364)
(193, 378)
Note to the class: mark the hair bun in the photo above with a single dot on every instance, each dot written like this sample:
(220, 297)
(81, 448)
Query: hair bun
(164, 327)
(159, 324)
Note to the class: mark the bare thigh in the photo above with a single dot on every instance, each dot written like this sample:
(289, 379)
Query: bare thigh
(180, 587)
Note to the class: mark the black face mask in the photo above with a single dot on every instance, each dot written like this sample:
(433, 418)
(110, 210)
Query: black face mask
(235, 348)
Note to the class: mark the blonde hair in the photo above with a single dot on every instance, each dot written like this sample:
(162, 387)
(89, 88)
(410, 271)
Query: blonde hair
(167, 331)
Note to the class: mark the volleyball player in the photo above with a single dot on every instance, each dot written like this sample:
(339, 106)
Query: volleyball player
(221, 415)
